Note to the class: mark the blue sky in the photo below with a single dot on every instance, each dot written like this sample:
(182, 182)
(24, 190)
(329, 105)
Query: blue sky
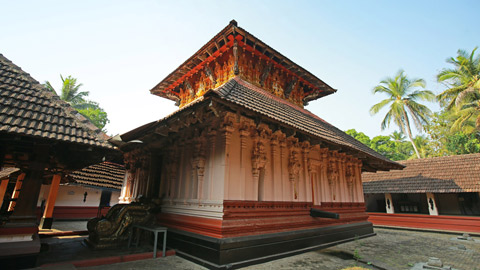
(119, 50)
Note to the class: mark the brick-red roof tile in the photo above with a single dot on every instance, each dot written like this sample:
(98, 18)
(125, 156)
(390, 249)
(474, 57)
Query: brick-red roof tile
(451, 174)
(254, 98)
(27, 108)
(104, 175)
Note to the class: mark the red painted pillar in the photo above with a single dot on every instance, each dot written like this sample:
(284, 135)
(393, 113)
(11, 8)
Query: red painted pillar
(3, 189)
(47, 219)
(16, 191)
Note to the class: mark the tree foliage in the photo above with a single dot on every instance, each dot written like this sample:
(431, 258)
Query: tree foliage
(403, 96)
(71, 94)
(462, 96)
(385, 145)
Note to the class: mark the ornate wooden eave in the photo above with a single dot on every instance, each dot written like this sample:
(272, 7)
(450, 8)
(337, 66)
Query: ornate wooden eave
(235, 52)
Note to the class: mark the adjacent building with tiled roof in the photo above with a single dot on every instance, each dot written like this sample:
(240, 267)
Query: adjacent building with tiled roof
(450, 174)
(447, 189)
(27, 108)
(45, 138)
(105, 175)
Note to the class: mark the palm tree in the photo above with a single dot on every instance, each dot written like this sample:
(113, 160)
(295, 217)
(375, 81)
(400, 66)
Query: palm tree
(463, 93)
(71, 93)
(397, 136)
(403, 98)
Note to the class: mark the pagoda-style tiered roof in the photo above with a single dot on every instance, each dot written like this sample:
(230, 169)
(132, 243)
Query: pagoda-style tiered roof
(235, 52)
(246, 76)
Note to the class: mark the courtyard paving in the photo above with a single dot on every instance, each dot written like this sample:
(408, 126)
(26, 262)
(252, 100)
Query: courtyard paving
(389, 249)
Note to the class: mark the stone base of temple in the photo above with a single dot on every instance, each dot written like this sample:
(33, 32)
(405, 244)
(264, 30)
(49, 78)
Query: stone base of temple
(19, 255)
(234, 252)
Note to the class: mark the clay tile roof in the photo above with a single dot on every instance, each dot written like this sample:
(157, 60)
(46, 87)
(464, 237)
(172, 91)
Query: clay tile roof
(104, 175)
(254, 98)
(29, 109)
(451, 174)
(6, 172)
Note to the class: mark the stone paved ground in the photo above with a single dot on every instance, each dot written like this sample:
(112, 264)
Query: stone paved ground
(399, 249)
(390, 249)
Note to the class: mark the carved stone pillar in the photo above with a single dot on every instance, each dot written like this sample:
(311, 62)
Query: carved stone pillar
(212, 136)
(198, 166)
(130, 172)
(350, 177)
(283, 146)
(294, 167)
(332, 174)
(276, 179)
(312, 172)
(358, 180)
(180, 185)
(244, 133)
(342, 185)
(259, 160)
(324, 175)
(227, 130)
(307, 185)
(171, 172)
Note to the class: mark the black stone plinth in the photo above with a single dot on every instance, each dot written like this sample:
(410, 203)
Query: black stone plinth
(235, 252)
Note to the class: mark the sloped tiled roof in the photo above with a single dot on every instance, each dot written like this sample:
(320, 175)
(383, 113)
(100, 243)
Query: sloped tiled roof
(451, 174)
(104, 175)
(256, 99)
(6, 172)
(29, 109)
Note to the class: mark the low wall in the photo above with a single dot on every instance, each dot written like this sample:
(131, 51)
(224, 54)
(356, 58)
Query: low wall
(446, 223)
(75, 212)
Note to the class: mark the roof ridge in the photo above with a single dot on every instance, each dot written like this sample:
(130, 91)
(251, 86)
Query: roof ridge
(418, 160)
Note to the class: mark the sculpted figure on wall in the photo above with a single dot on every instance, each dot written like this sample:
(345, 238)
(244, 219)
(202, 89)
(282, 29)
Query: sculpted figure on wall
(294, 167)
(332, 177)
(350, 175)
(259, 159)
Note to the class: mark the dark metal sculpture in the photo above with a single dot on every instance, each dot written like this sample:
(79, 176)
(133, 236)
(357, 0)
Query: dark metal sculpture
(113, 229)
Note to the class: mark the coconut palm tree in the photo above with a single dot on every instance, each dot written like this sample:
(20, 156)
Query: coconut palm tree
(71, 93)
(463, 93)
(397, 136)
(403, 95)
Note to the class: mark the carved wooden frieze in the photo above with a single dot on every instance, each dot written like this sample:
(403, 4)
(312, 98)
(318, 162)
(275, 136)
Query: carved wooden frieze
(252, 66)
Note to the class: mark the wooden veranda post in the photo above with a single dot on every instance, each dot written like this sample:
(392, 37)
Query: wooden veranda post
(47, 219)
(16, 191)
(3, 189)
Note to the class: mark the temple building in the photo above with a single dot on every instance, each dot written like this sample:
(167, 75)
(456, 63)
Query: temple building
(244, 172)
